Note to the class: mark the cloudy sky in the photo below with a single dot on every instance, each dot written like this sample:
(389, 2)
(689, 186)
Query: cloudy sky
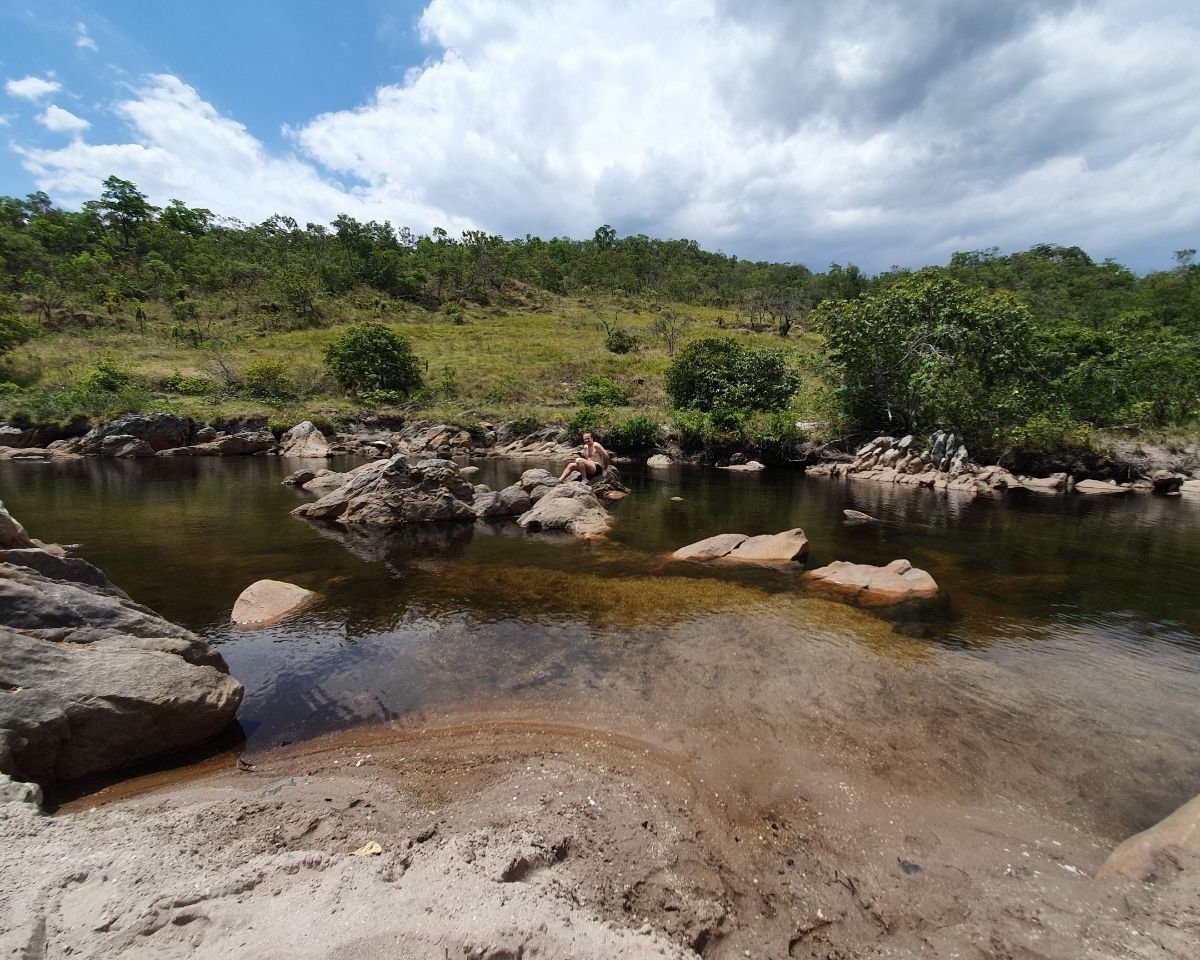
(812, 131)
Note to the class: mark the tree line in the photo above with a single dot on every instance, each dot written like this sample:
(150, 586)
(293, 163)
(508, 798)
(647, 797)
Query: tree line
(1034, 347)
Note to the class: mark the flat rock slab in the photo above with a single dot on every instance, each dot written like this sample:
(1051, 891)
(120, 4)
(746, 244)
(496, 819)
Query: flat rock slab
(869, 585)
(772, 548)
(1099, 487)
(712, 548)
(266, 601)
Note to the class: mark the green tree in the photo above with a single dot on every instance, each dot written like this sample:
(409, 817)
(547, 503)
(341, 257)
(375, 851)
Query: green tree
(713, 373)
(372, 356)
(928, 352)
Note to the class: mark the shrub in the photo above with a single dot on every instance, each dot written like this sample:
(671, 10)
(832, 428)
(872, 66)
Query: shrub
(189, 385)
(586, 420)
(372, 356)
(639, 432)
(107, 375)
(381, 398)
(600, 391)
(620, 340)
(715, 372)
(268, 380)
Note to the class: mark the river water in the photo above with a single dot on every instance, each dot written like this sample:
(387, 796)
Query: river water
(1066, 661)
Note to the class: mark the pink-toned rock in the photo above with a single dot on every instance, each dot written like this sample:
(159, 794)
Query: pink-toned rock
(1166, 849)
(1101, 488)
(712, 548)
(897, 582)
(266, 601)
(772, 548)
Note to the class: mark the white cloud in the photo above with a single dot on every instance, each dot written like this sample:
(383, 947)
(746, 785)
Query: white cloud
(848, 130)
(83, 39)
(57, 119)
(31, 88)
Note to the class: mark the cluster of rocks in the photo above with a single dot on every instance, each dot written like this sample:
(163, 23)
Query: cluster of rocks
(93, 681)
(394, 492)
(899, 582)
(140, 435)
(945, 465)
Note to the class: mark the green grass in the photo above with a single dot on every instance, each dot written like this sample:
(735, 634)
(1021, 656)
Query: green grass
(498, 362)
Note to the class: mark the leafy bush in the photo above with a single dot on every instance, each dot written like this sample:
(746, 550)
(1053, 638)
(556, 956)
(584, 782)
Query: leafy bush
(620, 340)
(523, 425)
(714, 372)
(189, 385)
(268, 380)
(107, 375)
(639, 432)
(382, 398)
(372, 356)
(600, 391)
(586, 420)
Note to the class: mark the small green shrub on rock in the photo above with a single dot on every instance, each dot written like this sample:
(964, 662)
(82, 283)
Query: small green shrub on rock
(600, 391)
(637, 433)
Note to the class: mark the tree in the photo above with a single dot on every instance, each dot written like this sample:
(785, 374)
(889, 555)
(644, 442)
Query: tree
(372, 356)
(714, 373)
(124, 209)
(929, 352)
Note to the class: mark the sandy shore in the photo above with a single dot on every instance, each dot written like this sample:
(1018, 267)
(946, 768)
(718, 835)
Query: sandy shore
(802, 800)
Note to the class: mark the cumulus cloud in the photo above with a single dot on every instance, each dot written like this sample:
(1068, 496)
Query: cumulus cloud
(57, 119)
(31, 88)
(831, 130)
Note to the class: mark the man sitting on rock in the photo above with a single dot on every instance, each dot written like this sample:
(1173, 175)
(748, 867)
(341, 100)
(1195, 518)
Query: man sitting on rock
(591, 464)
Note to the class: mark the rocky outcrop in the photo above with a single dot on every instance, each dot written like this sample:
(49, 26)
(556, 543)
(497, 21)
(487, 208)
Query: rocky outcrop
(241, 444)
(785, 547)
(898, 582)
(158, 431)
(391, 492)
(268, 601)
(1162, 852)
(91, 680)
(569, 507)
(304, 440)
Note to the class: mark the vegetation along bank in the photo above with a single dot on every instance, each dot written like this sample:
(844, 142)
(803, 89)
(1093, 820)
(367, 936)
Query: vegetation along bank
(1034, 358)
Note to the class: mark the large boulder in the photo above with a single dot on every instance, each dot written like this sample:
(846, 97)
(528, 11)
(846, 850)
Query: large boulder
(391, 492)
(94, 681)
(159, 431)
(304, 440)
(766, 548)
(12, 534)
(569, 507)
(237, 444)
(1162, 852)
(898, 582)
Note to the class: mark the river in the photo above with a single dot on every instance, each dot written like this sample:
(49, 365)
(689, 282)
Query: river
(1066, 664)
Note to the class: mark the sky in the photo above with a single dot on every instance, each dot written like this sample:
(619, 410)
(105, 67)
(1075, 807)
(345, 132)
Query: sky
(885, 134)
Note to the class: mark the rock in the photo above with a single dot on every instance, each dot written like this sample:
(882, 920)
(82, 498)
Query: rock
(304, 440)
(237, 444)
(1161, 852)
(857, 516)
(750, 466)
(660, 461)
(772, 548)
(897, 582)
(119, 447)
(537, 483)
(390, 492)
(20, 792)
(159, 431)
(711, 548)
(299, 478)
(512, 501)
(1166, 482)
(12, 534)
(266, 601)
(1100, 488)
(94, 681)
(1055, 483)
(1190, 489)
(570, 507)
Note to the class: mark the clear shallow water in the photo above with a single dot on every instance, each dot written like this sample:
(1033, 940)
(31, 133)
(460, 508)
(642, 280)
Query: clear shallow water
(1087, 609)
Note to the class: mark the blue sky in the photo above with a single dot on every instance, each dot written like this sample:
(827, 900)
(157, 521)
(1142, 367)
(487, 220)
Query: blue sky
(857, 131)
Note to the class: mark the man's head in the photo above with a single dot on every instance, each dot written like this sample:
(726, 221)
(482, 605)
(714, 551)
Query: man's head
(587, 438)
